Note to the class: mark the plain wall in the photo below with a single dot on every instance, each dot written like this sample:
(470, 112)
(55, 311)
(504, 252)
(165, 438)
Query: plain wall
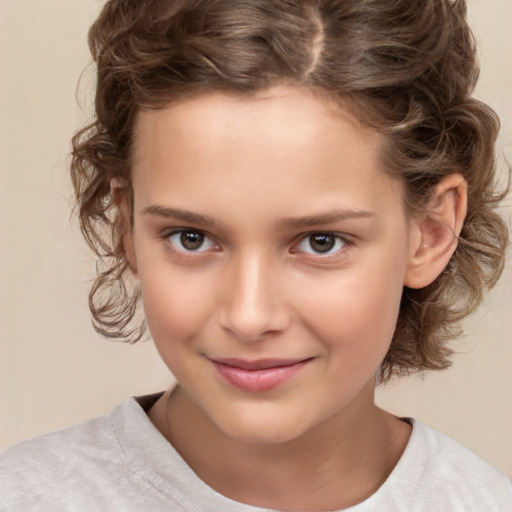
(54, 370)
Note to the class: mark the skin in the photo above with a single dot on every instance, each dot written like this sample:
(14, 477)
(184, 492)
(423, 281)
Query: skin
(258, 176)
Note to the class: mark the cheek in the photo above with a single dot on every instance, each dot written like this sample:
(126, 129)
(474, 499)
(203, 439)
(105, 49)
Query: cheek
(357, 308)
(177, 303)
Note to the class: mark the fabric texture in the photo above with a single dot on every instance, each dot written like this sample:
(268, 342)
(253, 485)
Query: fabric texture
(120, 462)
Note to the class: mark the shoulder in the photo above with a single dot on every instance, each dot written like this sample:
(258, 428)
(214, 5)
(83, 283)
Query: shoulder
(90, 440)
(452, 459)
(452, 470)
(47, 470)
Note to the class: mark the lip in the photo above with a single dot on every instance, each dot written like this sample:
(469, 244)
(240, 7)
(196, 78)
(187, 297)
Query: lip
(259, 375)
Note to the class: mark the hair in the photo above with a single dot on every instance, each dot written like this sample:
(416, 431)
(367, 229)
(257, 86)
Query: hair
(403, 67)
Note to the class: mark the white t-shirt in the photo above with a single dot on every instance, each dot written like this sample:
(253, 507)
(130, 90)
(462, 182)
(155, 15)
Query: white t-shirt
(120, 462)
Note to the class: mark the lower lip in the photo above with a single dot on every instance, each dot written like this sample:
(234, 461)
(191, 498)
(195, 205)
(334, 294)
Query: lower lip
(265, 379)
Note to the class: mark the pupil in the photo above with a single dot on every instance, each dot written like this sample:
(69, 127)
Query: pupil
(191, 240)
(322, 242)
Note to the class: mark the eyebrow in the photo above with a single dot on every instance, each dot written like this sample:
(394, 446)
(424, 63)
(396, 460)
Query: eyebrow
(291, 222)
(179, 214)
(326, 218)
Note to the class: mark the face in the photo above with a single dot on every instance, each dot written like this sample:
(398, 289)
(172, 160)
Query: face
(271, 248)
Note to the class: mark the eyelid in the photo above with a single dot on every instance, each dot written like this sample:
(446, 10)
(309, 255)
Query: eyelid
(347, 243)
(167, 234)
(346, 240)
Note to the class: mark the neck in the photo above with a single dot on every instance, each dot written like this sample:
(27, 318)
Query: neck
(337, 464)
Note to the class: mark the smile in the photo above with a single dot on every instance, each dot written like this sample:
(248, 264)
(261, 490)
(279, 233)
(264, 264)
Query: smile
(261, 375)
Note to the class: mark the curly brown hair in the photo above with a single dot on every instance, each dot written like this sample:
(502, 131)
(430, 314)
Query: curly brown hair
(405, 68)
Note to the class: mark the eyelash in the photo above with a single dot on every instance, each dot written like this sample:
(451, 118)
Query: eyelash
(178, 233)
(338, 239)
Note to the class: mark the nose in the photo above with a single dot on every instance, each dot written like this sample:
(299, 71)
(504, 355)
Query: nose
(253, 306)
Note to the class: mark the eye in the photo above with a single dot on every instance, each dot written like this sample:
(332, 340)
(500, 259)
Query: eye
(321, 243)
(190, 240)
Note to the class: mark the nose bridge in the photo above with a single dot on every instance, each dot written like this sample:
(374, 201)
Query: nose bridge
(252, 307)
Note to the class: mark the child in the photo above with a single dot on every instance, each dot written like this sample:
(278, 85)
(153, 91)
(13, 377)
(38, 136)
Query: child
(301, 195)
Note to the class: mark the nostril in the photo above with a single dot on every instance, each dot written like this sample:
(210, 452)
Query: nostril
(247, 332)
(249, 323)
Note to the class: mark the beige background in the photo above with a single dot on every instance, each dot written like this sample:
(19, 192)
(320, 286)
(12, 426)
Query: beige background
(54, 370)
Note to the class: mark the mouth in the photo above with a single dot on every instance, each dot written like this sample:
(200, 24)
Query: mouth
(259, 375)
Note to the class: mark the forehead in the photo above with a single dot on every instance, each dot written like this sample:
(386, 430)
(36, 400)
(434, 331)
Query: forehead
(268, 106)
(282, 116)
(282, 139)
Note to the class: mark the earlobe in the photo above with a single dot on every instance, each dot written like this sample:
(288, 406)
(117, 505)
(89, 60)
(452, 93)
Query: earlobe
(119, 190)
(434, 235)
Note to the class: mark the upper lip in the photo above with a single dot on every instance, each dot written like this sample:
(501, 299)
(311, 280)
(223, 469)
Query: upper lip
(258, 364)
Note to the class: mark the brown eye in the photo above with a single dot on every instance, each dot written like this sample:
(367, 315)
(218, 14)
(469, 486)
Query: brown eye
(322, 242)
(190, 240)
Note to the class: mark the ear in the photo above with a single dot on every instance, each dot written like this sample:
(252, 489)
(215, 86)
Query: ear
(122, 197)
(434, 234)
